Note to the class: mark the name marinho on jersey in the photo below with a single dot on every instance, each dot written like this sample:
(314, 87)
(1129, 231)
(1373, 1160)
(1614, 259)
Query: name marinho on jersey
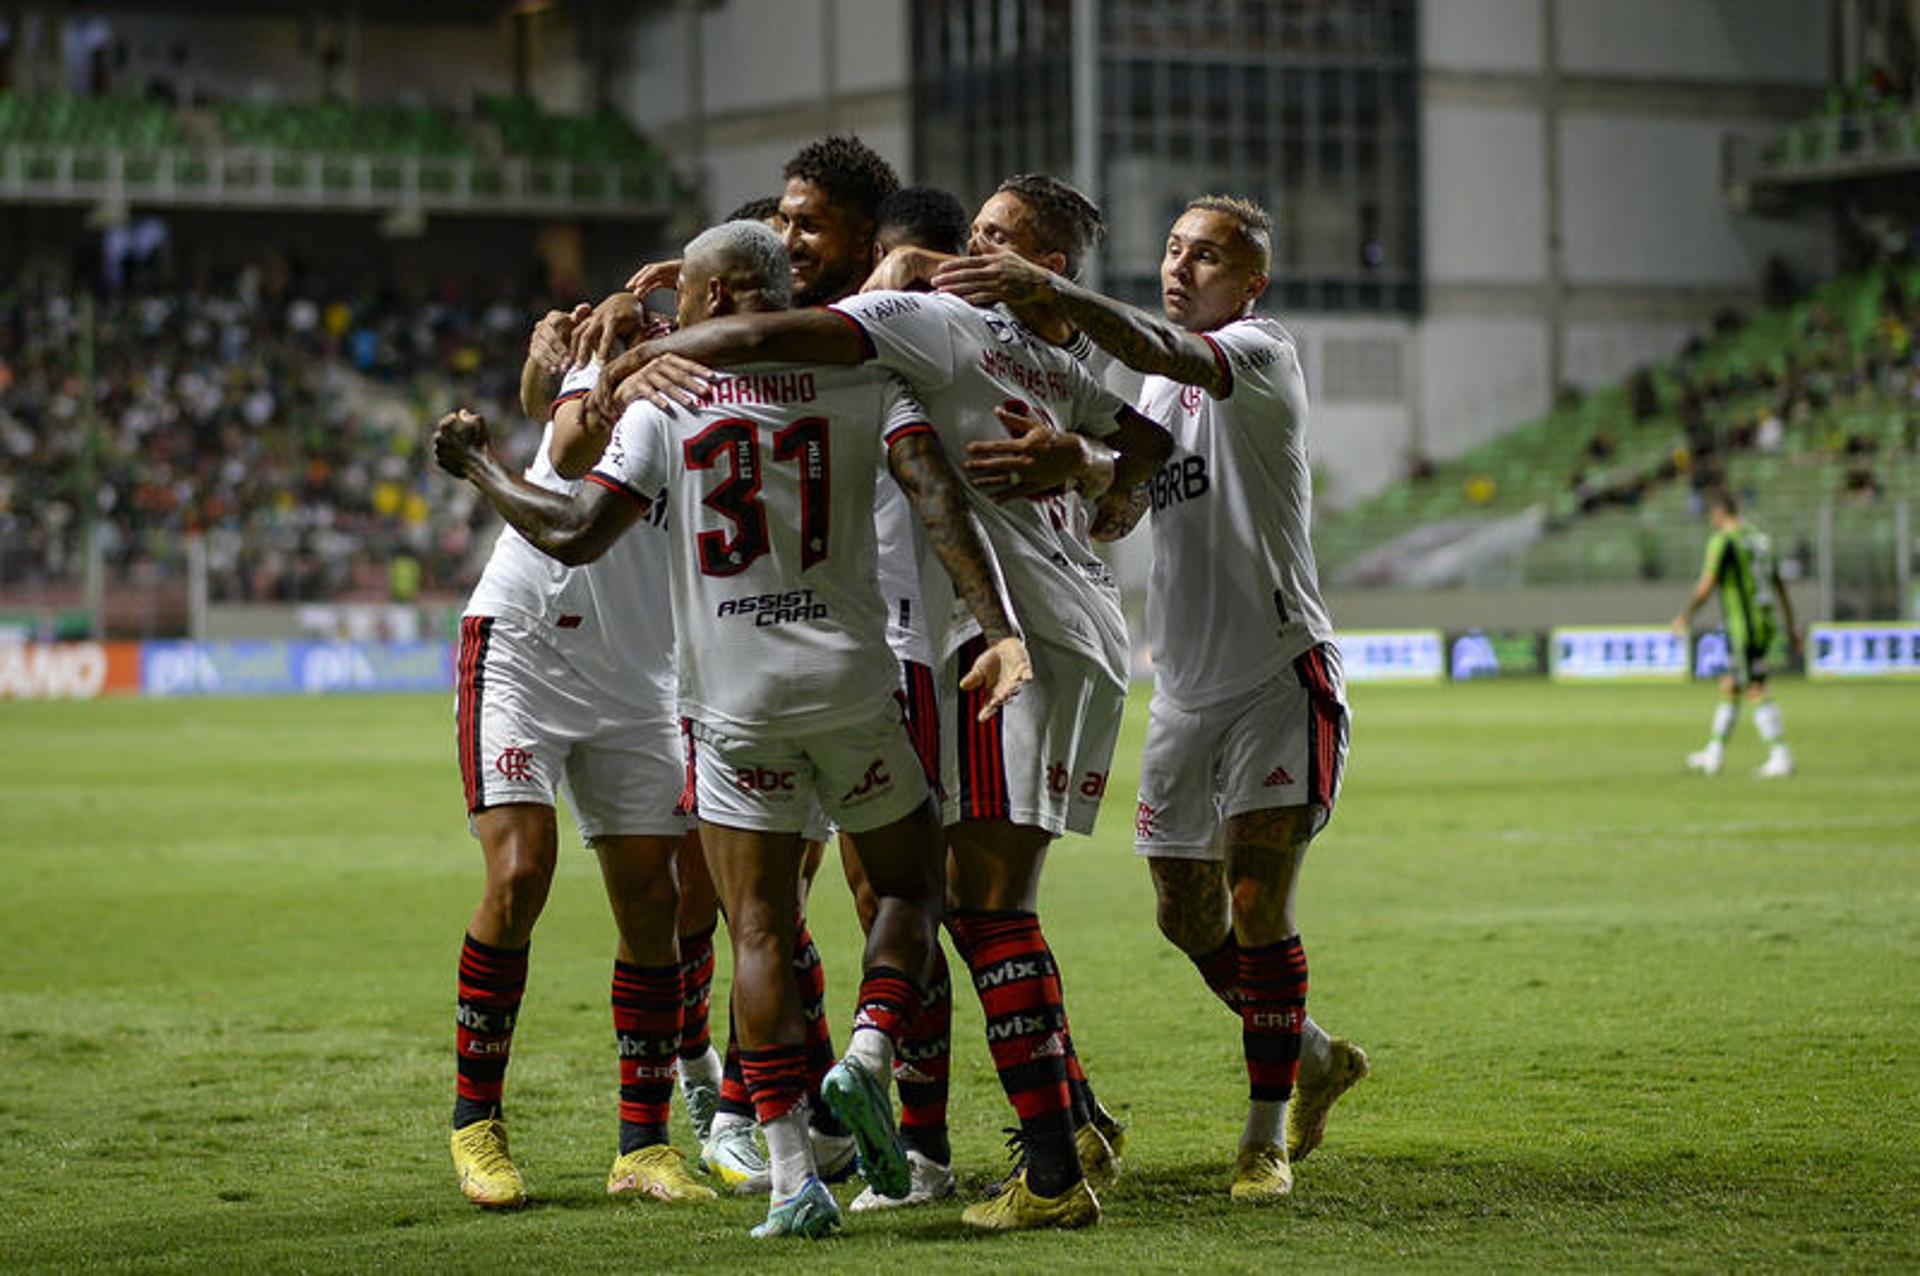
(770, 388)
(774, 609)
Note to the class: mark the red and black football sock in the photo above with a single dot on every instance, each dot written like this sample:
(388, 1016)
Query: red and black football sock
(887, 1003)
(1221, 970)
(696, 980)
(812, 978)
(646, 1027)
(1273, 1012)
(1019, 989)
(734, 1099)
(776, 1078)
(921, 1058)
(492, 982)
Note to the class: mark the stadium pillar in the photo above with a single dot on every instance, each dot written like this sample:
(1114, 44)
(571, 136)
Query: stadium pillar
(1556, 280)
(1903, 559)
(1824, 555)
(197, 587)
(1086, 114)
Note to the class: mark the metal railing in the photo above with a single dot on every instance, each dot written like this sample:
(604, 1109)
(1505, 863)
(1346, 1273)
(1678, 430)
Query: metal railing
(255, 177)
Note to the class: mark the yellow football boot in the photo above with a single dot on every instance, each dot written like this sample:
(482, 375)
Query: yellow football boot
(1262, 1174)
(1097, 1160)
(659, 1171)
(1313, 1097)
(1018, 1209)
(487, 1176)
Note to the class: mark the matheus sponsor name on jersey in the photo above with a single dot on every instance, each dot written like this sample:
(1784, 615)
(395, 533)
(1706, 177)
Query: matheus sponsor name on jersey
(774, 609)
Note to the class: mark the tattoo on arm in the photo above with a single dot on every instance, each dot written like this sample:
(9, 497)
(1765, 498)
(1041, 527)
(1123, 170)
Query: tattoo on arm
(1144, 342)
(1119, 512)
(939, 498)
(573, 529)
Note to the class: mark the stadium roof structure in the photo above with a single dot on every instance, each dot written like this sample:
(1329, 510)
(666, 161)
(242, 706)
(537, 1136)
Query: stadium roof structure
(423, 12)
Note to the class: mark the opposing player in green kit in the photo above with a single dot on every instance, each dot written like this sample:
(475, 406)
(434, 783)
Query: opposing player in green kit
(1753, 599)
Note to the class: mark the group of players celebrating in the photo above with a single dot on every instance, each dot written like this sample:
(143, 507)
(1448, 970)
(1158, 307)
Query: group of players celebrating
(816, 559)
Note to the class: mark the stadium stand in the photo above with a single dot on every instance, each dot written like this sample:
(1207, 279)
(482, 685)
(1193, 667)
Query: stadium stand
(1802, 406)
(288, 430)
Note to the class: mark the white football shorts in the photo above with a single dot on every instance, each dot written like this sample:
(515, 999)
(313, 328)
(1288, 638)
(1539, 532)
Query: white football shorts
(529, 726)
(861, 777)
(1285, 744)
(1043, 759)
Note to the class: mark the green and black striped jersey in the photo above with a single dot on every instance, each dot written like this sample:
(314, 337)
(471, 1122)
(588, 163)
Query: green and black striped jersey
(1741, 561)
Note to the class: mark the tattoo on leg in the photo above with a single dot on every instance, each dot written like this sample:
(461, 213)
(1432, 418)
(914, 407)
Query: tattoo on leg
(1192, 903)
(1264, 850)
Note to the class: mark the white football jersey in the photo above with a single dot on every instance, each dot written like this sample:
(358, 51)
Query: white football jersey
(964, 362)
(770, 496)
(605, 617)
(910, 578)
(1234, 597)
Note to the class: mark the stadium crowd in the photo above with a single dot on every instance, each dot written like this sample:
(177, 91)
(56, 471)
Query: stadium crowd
(280, 418)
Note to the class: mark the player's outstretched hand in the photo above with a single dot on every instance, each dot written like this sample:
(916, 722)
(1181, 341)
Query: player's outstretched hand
(617, 318)
(667, 381)
(553, 336)
(1680, 626)
(458, 440)
(1004, 667)
(996, 277)
(1036, 460)
(654, 276)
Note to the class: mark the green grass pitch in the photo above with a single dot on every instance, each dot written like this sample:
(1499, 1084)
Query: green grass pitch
(1620, 1016)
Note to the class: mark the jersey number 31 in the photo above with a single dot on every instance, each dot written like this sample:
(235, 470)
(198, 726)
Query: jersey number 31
(734, 445)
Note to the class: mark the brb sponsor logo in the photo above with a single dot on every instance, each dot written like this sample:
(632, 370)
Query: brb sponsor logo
(794, 605)
(1184, 478)
(759, 779)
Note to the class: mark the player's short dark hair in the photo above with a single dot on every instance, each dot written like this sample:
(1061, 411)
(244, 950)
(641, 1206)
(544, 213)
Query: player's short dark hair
(1253, 222)
(1720, 498)
(1068, 219)
(929, 217)
(854, 175)
(763, 209)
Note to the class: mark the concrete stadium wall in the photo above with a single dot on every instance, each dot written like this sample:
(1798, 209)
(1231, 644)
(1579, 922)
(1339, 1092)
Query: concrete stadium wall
(1537, 607)
(1574, 225)
(769, 81)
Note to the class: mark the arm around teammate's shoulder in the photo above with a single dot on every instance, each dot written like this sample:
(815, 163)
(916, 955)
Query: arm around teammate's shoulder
(1144, 342)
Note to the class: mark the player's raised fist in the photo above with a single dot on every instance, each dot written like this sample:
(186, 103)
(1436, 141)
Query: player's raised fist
(1004, 667)
(459, 438)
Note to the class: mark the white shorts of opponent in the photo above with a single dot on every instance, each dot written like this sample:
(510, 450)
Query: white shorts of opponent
(860, 777)
(529, 726)
(1043, 759)
(1283, 744)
